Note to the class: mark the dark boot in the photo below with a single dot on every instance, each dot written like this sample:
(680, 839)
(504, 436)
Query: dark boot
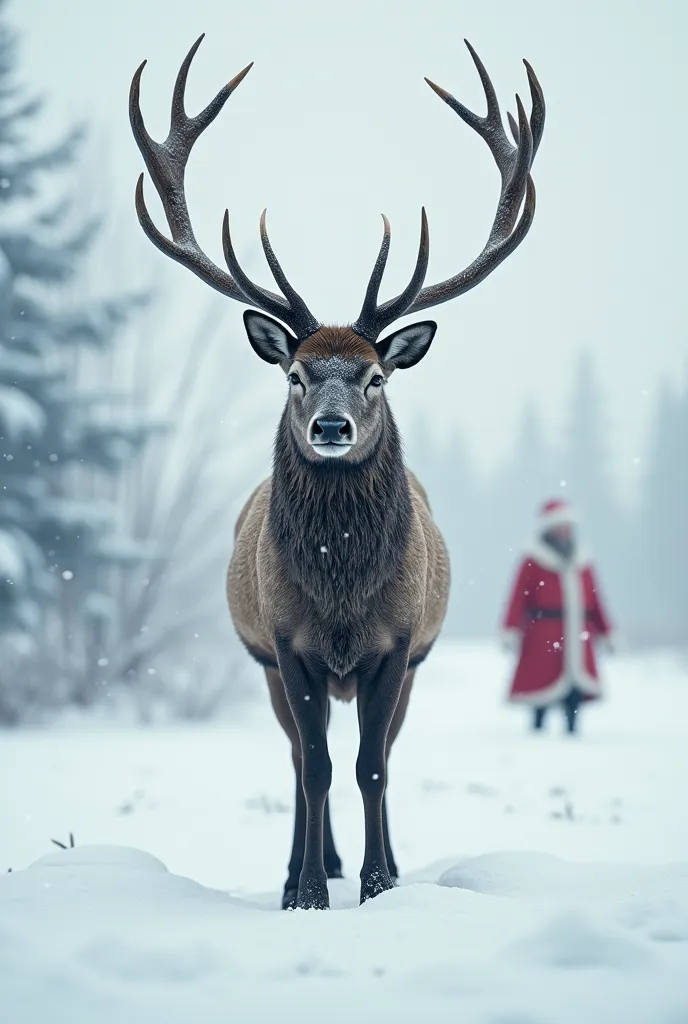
(571, 704)
(539, 717)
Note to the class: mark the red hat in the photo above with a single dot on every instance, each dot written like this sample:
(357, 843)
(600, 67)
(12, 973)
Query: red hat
(557, 512)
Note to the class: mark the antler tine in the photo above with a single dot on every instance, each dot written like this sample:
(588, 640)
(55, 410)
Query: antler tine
(143, 139)
(483, 265)
(373, 319)
(166, 163)
(394, 308)
(307, 321)
(491, 128)
(178, 111)
(252, 293)
(369, 307)
(537, 115)
(517, 191)
(513, 189)
(179, 119)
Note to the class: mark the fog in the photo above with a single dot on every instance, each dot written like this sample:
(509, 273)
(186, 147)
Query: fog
(335, 125)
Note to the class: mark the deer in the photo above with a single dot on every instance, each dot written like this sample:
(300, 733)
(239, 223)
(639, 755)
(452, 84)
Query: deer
(339, 578)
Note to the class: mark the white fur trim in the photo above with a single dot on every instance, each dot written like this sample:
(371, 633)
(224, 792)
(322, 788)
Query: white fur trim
(546, 556)
(558, 691)
(574, 621)
(558, 517)
(511, 640)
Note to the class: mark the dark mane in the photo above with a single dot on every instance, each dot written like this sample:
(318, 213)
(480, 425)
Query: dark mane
(341, 529)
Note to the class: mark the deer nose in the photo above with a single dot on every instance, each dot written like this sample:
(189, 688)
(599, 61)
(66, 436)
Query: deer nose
(332, 431)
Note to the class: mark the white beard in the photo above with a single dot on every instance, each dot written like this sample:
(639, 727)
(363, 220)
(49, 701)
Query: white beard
(331, 451)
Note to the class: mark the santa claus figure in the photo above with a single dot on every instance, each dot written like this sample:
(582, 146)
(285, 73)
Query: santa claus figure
(554, 617)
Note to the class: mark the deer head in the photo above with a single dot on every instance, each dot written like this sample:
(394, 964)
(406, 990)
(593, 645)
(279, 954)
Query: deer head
(336, 375)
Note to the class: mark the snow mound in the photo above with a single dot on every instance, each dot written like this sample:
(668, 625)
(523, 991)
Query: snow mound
(546, 877)
(111, 935)
(115, 881)
(108, 857)
(572, 940)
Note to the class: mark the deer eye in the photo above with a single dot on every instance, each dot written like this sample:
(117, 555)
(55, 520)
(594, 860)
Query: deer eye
(294, 378)
(377, 381)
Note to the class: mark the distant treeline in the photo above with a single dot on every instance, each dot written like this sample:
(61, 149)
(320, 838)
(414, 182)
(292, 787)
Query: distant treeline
(641, 548)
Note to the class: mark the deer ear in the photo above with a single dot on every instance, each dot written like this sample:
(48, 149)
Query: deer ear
(269, 339)
(407, 346)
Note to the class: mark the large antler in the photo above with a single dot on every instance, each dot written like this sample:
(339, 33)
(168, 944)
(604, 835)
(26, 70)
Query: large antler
(166, 162)
(514, 163)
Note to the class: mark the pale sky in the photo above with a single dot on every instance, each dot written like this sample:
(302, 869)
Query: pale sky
(335, 125)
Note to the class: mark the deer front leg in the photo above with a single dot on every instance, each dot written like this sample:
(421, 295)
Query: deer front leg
(378, 695)
(333, 864)
(307, 696)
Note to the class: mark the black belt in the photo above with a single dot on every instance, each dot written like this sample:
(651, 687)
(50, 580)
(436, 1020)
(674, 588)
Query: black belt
(554, 613)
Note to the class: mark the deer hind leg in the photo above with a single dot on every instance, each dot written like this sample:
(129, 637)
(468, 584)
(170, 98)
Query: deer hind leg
(333, 864)
(332, 860)
(395, 726)
(379, 692)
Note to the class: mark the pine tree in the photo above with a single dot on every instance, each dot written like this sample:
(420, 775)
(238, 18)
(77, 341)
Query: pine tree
(584, 457)
(661, 591)
(584, 467)
(525, 479)
(54, 526)
(446, 472)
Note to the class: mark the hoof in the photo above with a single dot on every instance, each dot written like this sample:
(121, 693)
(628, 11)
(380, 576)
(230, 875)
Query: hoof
(313, 894)
(289, 899)
(374, 883)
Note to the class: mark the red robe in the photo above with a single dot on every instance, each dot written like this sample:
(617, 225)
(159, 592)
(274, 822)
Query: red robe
(554, 613)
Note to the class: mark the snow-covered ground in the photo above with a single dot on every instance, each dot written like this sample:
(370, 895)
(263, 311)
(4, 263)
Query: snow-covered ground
(546, 879)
